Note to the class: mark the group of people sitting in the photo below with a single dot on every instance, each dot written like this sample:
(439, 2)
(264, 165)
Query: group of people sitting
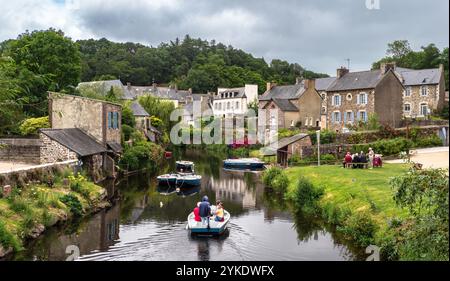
(358, 160)
(203, 211)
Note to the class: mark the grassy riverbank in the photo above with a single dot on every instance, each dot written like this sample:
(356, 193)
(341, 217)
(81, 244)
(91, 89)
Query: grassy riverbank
(398, 209)
(29, 210)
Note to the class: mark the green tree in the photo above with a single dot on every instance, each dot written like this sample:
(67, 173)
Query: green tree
(46, 61)
(10, 103)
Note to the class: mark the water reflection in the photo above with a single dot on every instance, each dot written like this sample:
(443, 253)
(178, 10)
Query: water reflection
(149, 223)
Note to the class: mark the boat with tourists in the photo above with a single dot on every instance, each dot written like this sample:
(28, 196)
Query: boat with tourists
(211, 228)
(244, 164)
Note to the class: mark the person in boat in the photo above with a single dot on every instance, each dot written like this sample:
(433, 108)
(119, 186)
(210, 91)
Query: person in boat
(197, 217)
(219, 212)
(204, 210)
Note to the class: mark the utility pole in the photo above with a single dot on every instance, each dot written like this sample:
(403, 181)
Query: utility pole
(318, 147)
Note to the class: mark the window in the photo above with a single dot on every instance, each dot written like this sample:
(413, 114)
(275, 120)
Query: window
(407, 107)
(424, 91)
(423, 109)
(109, 120)
(292, 123)
(362, 98)
(362, 116)
(349, 97)
(237, 105)
(228, 105)
(324, 109)
(336, 117)
(336, 100)
(220, 106)
(349, 116)
(408, 92)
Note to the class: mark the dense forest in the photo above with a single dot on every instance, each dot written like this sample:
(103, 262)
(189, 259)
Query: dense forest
(47, 60)
(189, 63)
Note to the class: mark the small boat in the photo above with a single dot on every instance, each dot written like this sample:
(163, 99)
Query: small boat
(185, 167)
(214, 227)
(179, 180)
(243, 164)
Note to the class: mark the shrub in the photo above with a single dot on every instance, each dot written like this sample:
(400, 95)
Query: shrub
(386, 146)
(269, 175)
(280, 183)
(142, 156)
(306, 196)
(359, 227)
(127, 131)
(429, 141)
(71, 201)
(32, 125)
(128, 117)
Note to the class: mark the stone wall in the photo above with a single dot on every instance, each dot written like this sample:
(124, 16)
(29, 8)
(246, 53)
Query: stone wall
(348, 103)
(20, 150)
(416, 98)
(52, 151)
(110, 134)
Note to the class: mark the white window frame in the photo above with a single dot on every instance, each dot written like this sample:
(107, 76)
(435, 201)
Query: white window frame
(334, 100)
(407, 111)
(408, 91)
(336, 114)
(360, 116)
(420, 109)
(366, 97)
(349, 120)
(422, 88)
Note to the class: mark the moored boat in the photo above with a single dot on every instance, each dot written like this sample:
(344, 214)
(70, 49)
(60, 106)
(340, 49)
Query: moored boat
(185, 167)
(213, 228)
(243, 164)
(179, 180)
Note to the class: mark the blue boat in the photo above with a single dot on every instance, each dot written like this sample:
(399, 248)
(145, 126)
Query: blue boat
(244, 164)
(178, 180)
(213, 228)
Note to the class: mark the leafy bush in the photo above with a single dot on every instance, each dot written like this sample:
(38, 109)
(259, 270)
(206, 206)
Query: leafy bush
(429, 141)
(128, 117)
(385, 147)
(156, 122)
(280, 183)
(240, 152)
(284, 133)
(32, 125)
(71, 201)
(127, 131)
(141, 156)
(269, 175)
(360, 227)
(306, 196)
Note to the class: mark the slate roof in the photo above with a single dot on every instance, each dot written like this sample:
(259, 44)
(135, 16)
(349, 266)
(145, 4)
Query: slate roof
(116, 147)
(322, 84)
(283, 92)
(75, 140)
(285, 105)
(272, 148)
(240, 93)
(138, 110)
(357, 80)
(419, 77)
(159, 92)
(104, 87)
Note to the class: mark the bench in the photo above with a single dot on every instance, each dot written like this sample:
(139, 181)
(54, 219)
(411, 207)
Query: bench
(350, 165)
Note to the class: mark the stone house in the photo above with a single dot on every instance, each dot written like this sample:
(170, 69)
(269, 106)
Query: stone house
(297, 105)
(355, 96)
(99, 119)
(60, 145)
(424, 90)
(230, 102)
(143, 122)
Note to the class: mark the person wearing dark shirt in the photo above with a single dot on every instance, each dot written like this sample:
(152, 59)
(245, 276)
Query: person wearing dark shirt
(362, 159)
(355, 161)
(205, 210)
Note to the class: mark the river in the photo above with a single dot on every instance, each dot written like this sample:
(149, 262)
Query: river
(148, 223)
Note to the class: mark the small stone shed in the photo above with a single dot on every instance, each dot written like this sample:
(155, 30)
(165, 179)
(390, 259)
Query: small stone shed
(287, 147)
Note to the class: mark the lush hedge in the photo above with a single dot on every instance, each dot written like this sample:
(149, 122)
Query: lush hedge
(385, 147)
(142, 155)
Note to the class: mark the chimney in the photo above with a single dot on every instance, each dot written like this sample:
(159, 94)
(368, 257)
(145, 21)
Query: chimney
(310, 83)
(270, 85)
(128, 85)
(298, 80)
(341, 72)
(386, 66)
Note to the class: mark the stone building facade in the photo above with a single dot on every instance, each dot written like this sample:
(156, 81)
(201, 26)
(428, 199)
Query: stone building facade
(52, 151)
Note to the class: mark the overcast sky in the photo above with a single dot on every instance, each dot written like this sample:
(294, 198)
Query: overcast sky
(318, 34)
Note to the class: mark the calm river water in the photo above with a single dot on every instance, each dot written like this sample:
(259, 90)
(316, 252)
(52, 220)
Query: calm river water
(148, 223)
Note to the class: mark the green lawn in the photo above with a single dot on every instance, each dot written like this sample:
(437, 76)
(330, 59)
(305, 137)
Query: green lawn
(354, 189)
